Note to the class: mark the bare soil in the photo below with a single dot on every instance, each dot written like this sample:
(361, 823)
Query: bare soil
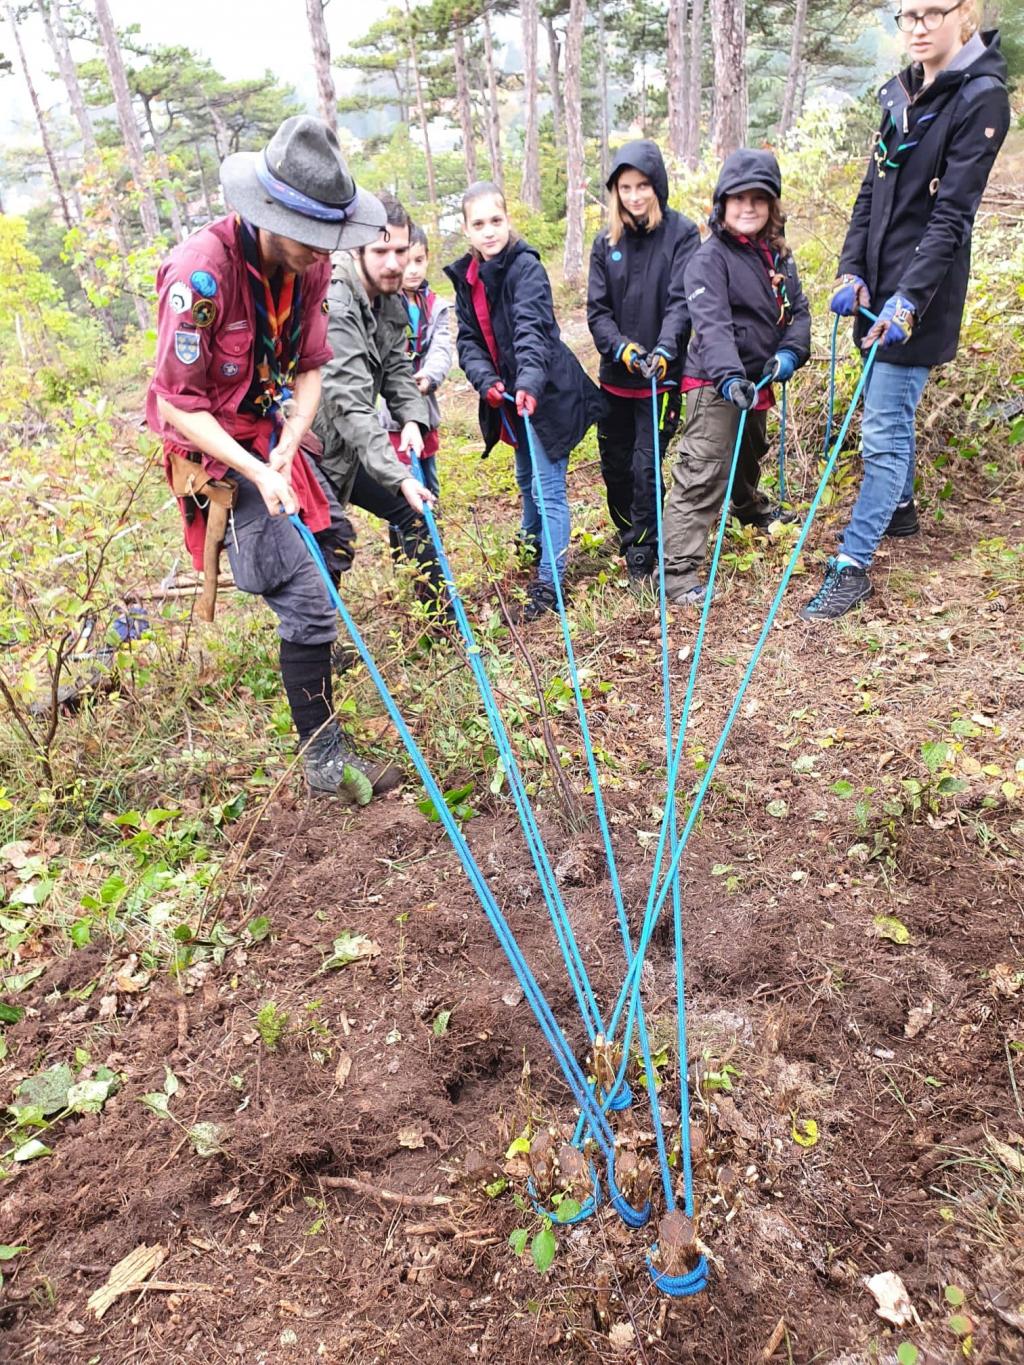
(272, 1256)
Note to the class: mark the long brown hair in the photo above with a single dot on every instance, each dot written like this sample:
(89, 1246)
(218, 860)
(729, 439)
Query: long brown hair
(774, 231)
(619, 219)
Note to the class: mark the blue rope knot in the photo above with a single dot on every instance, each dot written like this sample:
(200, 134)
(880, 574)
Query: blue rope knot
(695, 1281)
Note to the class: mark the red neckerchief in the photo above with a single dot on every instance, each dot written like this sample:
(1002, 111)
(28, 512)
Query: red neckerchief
(483, 316)
(482, 309)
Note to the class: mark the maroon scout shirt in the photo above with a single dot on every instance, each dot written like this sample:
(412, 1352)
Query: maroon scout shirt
(210, 368)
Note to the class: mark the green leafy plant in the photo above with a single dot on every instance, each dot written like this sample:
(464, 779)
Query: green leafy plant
(271, 1024)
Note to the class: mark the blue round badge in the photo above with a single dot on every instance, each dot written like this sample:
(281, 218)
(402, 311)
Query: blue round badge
(203, 283)
(616, 256)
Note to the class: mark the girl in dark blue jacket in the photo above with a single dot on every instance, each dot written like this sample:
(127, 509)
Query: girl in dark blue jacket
(509, 344)
(750, 319)
(636, 309)
(907, 257)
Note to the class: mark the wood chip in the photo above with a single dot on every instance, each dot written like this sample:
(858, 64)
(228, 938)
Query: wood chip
(775, 1340)
(129, 1274)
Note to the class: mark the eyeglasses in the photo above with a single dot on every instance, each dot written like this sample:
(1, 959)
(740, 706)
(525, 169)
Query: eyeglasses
(930, 19)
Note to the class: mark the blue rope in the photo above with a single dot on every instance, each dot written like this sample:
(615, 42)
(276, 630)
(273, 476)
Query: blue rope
(625, 1210)
(699, 1277)
(567, 944)
(782, 443)
(574, 1076)
(688, 699)
(631, 984)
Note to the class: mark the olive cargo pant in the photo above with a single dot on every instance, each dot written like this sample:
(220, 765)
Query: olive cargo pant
(699, 476)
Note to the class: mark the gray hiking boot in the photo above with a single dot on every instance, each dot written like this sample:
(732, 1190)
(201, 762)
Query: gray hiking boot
(334, 768)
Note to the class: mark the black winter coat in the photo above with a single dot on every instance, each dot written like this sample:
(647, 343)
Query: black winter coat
(734, 309)
(910, 232)
(636, 290)
(531, 352)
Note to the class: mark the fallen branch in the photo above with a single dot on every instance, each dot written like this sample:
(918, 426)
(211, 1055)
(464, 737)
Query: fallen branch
(412, 1201)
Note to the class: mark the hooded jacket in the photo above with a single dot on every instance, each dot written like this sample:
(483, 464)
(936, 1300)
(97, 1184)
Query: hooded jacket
(531, 352)
(368, 359)
(434, 359)
(910, 231)
(735, 311)
(636, 291)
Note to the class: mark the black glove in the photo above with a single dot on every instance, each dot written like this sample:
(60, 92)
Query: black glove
(740, 392)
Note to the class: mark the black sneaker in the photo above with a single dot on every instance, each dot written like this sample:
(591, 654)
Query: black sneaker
(764, 518)
(333, 768)
(641, 564)
(845, 586)
(904, 521)
(540, 599)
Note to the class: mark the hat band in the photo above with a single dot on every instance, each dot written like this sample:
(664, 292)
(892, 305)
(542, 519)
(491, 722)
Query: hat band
(292, 198)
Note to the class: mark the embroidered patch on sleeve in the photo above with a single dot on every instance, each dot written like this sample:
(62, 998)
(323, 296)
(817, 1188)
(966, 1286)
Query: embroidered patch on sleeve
(203, 312)
(990, 132)
(186, 347)
(203, 283)
(179, 297)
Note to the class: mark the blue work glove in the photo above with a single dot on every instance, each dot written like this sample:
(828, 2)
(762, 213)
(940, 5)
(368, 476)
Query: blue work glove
(848, 294)
(657, 363)
(781, 367)
(895, 323)
(739, 391)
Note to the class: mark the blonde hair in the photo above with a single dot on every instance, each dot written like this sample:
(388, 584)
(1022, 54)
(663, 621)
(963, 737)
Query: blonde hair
(619, 219)
(970, 20)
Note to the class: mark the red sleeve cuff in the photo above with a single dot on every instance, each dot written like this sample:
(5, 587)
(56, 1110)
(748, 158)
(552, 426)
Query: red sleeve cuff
(314, 361)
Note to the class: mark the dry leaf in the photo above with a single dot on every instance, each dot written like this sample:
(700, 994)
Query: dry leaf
(918, 1019)
(1009, 1156)
(890, 1294)
(410, 1137)
(622, 1337)
(342, 1069)
(129, 1274)
(1004, 979)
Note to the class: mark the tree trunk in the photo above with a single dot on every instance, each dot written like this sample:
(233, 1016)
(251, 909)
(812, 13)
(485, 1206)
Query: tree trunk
(530, 191)
(44, 132)
(465, 108)
(675, 79)
(210, 212)
(576, 172)
(555, 77)
(421, 108)
(57, 36)
(326, 93)
(165, 171)
(729, 36)
(126, 121)
(695, 83)
(791, 93)
(602, 92)
(493, 110)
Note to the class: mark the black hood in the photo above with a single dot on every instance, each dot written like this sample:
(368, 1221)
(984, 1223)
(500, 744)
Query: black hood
(748, 169)
(645, 156)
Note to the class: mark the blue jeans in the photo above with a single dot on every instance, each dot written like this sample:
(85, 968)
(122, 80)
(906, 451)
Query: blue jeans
(888, 450)
(551, 476)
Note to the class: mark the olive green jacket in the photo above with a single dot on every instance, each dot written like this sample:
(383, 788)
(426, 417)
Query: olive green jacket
(368, 342)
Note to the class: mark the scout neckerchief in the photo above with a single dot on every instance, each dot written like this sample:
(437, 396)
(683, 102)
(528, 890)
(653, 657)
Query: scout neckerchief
(418, 314)
(278, 331)
(894, 142)
(482, 309)
(772, 261)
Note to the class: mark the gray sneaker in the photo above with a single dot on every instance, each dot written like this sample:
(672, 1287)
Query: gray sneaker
(335, 769)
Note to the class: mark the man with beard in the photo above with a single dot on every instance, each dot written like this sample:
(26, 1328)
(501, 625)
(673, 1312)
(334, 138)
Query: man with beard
(367, 333)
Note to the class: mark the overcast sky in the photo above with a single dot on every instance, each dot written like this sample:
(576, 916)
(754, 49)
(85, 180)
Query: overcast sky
(241, 39)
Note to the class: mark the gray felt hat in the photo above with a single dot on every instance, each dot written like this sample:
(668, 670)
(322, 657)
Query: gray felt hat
(300, 187)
